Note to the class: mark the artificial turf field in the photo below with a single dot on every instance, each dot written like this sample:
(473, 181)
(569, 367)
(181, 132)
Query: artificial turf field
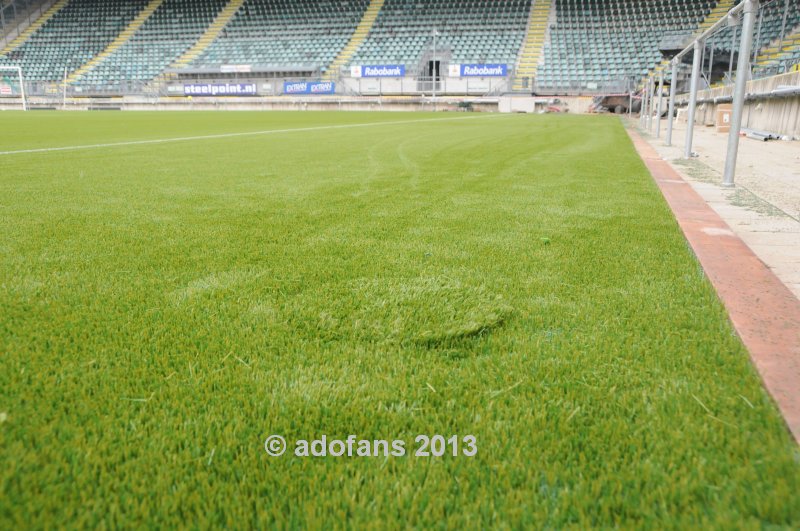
(164, 307)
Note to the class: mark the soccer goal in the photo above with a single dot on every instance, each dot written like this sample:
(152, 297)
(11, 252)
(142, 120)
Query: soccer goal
(12, 84)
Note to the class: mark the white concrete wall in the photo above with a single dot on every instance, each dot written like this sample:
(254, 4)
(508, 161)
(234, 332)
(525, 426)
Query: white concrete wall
(780, 115)
(283, 103)
(410, 85)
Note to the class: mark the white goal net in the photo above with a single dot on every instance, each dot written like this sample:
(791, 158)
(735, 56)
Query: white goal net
(12, 88)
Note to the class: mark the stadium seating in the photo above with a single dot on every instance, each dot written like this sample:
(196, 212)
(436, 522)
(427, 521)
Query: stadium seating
(598, 42)
(775, 54)
(780, 58)
(473, 31)
(591, 44)
(75, 34)
(285, 34)
(169, 32)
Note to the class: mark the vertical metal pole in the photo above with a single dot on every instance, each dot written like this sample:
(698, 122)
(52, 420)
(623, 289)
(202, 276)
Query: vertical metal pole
(742, 73)
(64, 95)
(698, 49)
(652, 102)
(711, 62)
(643, 107)
(758, 35)
(660, 102)
(433, 68)
(733, 47)
(672, 88)
(22, 89)
(702, 65)
(783, 25)
(650, 91)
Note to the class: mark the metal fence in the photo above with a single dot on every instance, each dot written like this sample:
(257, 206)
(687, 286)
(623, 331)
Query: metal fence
(743, 17)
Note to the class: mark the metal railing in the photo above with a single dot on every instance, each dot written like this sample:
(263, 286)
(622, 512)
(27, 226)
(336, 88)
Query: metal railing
(748, 10)
(22, 21)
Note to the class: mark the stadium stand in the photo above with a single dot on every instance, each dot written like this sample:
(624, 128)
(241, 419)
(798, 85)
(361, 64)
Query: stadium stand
(284, 34)
(769, 26)
(171, 30)
(549, 45)
(717, 12)
(121, 39)
(782, 56)
(475, 31)
(211, 33)
(597, 42)
(13, 12)
(32, 27)
(75, 32)
(358, 37)
(777, 54)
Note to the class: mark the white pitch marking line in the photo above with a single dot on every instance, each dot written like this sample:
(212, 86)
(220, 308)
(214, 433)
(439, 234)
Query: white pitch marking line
(233, 135)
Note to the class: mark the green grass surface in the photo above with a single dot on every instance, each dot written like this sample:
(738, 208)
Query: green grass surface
(164, 308)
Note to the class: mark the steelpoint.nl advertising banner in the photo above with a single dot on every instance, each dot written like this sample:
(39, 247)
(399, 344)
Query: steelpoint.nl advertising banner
(308, 87)
(220, 89)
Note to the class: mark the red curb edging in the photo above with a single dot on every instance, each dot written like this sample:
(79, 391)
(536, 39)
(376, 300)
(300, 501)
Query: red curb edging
(765, 314)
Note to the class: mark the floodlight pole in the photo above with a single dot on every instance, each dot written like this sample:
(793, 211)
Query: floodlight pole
(698, 49)
(672, 87)
(742, 74)
(660, 102)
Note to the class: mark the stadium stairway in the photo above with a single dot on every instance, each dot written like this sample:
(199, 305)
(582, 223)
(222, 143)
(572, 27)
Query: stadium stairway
(531, 52)
(121, 39)
(358, 37)
(47, 15)
(213, 31)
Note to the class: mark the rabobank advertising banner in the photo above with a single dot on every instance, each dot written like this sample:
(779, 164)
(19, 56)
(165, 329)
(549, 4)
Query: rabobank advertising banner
(308, 87)
(220, 89)
(378, 71)
(477, 70)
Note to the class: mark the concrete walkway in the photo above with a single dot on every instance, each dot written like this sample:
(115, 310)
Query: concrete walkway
(765, 314)
(764, 207)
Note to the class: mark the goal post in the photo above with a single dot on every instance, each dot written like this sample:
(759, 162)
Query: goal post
(13, 72)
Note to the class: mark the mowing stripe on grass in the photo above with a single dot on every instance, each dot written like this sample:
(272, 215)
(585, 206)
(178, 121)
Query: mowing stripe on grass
(234, 135)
